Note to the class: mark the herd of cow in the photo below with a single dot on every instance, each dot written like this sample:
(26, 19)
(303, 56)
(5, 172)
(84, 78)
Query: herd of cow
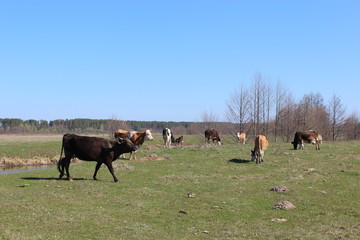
(104, 151)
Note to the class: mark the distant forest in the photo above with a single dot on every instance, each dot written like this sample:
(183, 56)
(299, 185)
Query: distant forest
(92, 126)
(350, 128)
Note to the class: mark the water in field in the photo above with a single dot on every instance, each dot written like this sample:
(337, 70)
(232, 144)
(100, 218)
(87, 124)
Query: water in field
(23, 169)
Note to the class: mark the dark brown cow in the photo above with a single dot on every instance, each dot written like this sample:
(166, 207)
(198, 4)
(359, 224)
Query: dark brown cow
(310, 136)
(92, 149)
(212, 134)
(179, 140)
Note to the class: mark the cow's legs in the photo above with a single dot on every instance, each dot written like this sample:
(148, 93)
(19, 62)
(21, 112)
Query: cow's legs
(98, 165)
(111, 169)
(67, 165)
(131, 155)
(258, 157)
(61, 168)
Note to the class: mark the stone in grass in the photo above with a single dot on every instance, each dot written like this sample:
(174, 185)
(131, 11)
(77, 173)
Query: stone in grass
(279, 220)
(284, 205)
(190, 194)
(279, 189)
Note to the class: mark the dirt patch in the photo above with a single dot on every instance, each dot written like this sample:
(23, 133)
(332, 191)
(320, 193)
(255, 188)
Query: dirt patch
(8, 162)
(152, 157)
(284, 205)
(279, 189)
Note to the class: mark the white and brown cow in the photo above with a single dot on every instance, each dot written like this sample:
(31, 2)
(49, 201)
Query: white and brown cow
(261, 144)
(212, 134)
(137, 138)
(241, 137)
(310, 136)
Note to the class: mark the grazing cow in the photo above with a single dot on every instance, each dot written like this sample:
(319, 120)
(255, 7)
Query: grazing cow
(179, 140)
(92, 149)
(212, 134)
(261, 144)
(168, 137)
(310, 136)
(241, 137)
(137, 138)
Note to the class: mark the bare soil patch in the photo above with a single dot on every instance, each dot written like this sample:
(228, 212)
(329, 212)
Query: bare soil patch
(152, 157)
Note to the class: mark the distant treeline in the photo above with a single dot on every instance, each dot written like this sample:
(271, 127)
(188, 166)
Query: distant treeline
(92, 126)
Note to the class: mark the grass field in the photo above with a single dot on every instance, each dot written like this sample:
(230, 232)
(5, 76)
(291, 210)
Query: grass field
(232, 198)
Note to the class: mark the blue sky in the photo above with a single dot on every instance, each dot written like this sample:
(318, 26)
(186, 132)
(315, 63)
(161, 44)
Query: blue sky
(170, 60)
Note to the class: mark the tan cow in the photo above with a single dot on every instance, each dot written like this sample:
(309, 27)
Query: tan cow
(137, 138)
(241, 137)
(261, 144)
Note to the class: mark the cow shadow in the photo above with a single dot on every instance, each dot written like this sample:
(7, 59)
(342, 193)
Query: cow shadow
(235, 160)
(52, 179)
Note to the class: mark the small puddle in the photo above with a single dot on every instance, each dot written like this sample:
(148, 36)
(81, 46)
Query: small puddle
(4, 171)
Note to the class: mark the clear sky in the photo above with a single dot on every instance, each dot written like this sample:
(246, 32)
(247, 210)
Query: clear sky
(170, 60)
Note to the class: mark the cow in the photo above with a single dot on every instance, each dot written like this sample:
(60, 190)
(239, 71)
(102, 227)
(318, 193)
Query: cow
(241, 137)
(179, 140)
(309, 136)
(261, 144)
(168, 137)
(212, 134)
(137, 138)
(92, 149)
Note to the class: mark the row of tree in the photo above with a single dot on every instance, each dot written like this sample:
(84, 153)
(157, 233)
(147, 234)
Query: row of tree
(270, 109)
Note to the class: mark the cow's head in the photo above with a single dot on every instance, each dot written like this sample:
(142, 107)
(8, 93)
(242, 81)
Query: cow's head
(127, 145)
(148, 135)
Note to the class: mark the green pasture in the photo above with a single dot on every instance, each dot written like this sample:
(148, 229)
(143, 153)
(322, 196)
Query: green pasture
(232, 198)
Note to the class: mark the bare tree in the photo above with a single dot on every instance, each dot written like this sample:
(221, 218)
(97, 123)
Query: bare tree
(210, 119)
(312, 114)
(287, 124)
(280, 95)
(255, 110)
(114, 124)
(238, 110)
(336, 111)
(260, 107)
(352, 126)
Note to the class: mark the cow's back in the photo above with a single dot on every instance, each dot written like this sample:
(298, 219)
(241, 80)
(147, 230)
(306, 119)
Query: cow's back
(121, 133)
(261, 143)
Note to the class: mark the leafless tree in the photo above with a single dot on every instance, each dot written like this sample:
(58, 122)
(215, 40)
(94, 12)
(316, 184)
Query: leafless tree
(114, 124)
(256, 104)
(352, 127)
(336, 111)
(287, 124)
(280, 101)
(238, 111)
(261, 105)
(312, 114)
(210, 119)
